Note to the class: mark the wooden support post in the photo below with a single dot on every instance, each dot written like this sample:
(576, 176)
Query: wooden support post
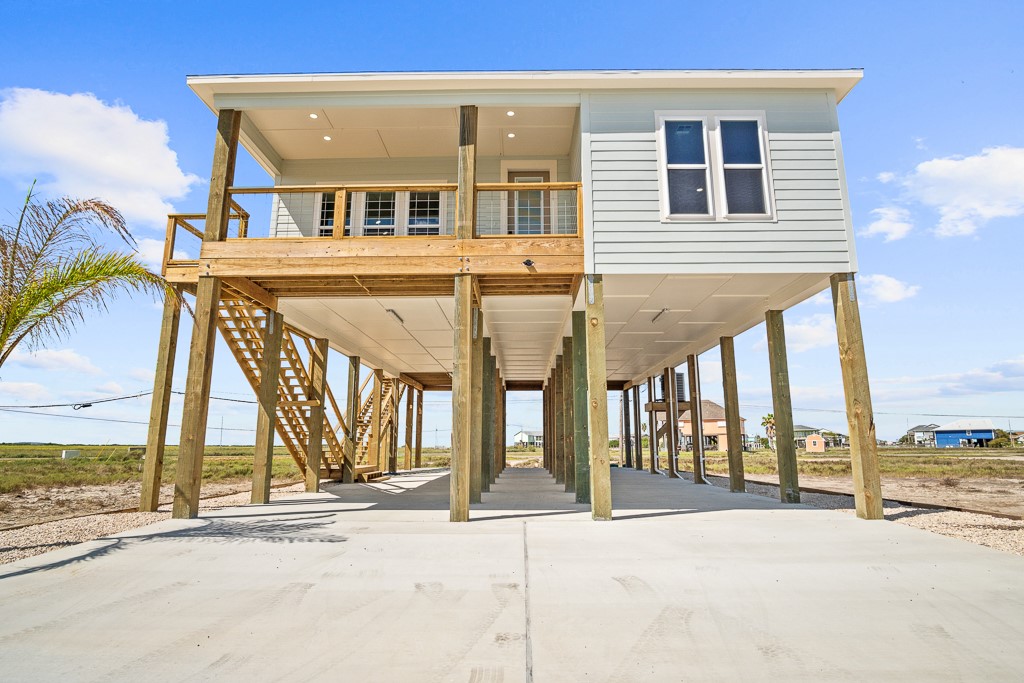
(419, 429)
(785, 444)
(487, 426)
(652, 429)
(733, 425)
(639, 430)
(393, 428)
(504, 428)
(597, 399)
(627, 432)
(204, 330)
(409, 391)
(266, 415)
(570, 420)
(696, 419)
(348, 473)
(466, 193)
(558, 411)
(476, 409)
(671, 421)
(462, 389)
(156, 439)
(317, 382)
(499, 433)
(867, 483)
(374, 452)
(548, 439)
(581, 438)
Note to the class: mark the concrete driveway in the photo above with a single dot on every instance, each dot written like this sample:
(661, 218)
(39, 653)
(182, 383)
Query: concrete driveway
(372, 583)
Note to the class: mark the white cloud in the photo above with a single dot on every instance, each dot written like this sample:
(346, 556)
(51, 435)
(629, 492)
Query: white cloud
(886, 177)
(823, 298)
(891, 221)
(970, 191)
(80, 146)
(63, 360)
(813, 332)
(28, 391)
(919, 143)
(886, 289)
(1001, 377)
(142, 374)
(110, 388)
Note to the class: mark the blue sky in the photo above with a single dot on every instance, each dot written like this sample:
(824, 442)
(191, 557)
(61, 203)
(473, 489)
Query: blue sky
(934, 156)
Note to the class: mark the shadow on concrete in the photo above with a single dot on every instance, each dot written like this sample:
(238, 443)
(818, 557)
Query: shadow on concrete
(308, 529)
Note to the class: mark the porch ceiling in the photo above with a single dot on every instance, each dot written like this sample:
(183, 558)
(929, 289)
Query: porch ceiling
(390, 132)
(526, 331)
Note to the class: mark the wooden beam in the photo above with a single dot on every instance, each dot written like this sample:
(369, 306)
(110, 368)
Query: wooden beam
(412, 381)
(465, 194)
(597, 399)
(266, 411)
(785, 444)
(476, 409)
(418, 459)
(462, 389)
(408, 427)
(696, 419)
(652, 429)
(487, 404)
(867, 484)
(393, 426)
(639, 428)
(499, 433)
(250, 290)
(581, 437)
(569, 436)
(348, 472)
(158, 409)
(315, 445)
(733, 424)
(192, 442)
(668, 377)
(374, 454)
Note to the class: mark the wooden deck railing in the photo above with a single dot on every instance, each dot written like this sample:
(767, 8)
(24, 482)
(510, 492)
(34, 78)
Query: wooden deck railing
(504, 210)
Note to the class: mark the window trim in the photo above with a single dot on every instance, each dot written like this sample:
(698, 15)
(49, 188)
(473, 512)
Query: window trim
(717, 201)
(357, 211)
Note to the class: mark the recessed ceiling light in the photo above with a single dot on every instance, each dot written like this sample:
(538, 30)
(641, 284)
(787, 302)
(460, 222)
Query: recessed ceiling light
(511, 135)
(327, 138)
(510, 113)
(314, 116)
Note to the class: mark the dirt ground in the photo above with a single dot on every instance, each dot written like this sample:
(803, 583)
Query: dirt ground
(998, 496)
(44, 505)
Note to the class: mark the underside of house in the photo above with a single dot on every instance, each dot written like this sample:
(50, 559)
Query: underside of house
(573, 233)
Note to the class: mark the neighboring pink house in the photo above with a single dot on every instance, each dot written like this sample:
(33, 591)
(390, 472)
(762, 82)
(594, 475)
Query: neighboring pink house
(815, 443)
(714, 426)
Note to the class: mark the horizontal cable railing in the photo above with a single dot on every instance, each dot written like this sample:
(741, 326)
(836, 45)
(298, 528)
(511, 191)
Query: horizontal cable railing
(525, 209)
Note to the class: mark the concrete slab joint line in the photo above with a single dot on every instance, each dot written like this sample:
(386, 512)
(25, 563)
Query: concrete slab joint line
(526, 603)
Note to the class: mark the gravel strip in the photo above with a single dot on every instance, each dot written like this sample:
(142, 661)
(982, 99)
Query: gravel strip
(17, 544)
(1002, 534)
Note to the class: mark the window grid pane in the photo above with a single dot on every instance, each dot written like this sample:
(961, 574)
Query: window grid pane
(744, 191)
(380, 211)
(684, 142)
(741, 143)
(687, 191)
(424, 209)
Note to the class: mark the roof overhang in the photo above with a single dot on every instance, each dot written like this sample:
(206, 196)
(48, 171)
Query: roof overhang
(230, 88)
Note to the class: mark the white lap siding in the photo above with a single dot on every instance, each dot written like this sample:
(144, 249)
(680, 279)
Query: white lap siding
(811, 232)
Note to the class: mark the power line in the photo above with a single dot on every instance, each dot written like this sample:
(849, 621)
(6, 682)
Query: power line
(107, 419)
(89, 404)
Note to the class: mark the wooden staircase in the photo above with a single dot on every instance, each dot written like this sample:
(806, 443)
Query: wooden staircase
(241, 325)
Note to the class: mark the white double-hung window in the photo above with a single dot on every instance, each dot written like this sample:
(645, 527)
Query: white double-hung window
(713, 166)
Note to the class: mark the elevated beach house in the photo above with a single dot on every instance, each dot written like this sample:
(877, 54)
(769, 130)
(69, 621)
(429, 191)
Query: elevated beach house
(573, 232)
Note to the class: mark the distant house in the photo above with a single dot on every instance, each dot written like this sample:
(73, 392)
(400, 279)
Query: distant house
(922, 435)
(713, 419)
(815, 443)
(974, 433)
(527, 438)
(832, 439)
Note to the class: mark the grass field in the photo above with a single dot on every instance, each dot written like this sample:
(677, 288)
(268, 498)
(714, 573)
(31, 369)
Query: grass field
(27, 467)
(930, 463)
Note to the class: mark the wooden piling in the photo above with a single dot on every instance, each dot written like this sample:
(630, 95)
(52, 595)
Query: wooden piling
(195, 411)
(266, 411)
(348, 472)
(733, 424)
(652, 429)
(639, 429)
(375, 453)
(627, 432)
(409, 391)
(163, 378)
(558, 412)
(315, 445)
(476, 409)
(671, 421)
(569, 436)
(696, 419)
(785, 444)
(581, 437)
(597, 399)
(419, 429)
(867, 483)
(462, 389)
(488, 417)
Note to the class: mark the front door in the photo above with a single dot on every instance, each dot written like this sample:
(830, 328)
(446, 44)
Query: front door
(528, 210)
